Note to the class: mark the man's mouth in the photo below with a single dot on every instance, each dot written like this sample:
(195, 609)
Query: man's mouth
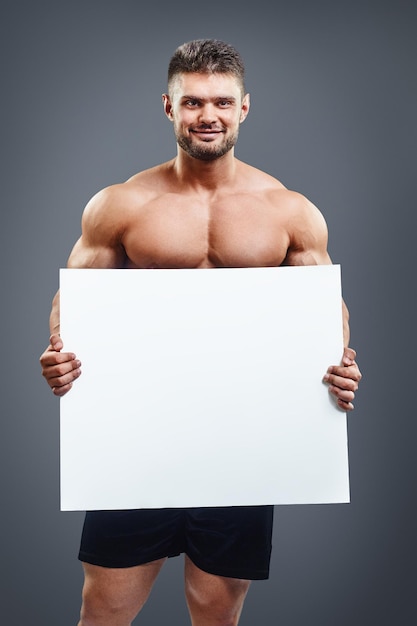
(206, 133)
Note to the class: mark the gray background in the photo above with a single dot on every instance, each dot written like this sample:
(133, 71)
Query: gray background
(333, 89)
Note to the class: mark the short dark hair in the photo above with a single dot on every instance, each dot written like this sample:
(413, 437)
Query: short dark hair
(207, 56)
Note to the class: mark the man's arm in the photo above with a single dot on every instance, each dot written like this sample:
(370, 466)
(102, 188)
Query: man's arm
(308, 246)
(98, 247)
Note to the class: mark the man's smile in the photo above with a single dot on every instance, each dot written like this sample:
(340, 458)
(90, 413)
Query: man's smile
(206, 134)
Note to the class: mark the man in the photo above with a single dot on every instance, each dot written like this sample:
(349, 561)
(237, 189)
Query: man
(202, 209)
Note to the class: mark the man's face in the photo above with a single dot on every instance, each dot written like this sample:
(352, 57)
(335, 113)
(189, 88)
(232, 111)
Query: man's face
(206, 110)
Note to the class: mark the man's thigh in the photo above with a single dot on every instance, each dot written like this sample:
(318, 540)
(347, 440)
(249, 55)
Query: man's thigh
(111, 593)
(213, 599)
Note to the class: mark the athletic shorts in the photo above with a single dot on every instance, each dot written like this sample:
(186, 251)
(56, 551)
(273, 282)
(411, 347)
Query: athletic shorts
(225, 541)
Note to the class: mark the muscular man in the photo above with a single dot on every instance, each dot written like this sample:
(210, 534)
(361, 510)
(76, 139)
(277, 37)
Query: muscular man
(202, 209)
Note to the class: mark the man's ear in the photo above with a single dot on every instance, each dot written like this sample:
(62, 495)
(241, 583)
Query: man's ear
(245, 107)
(167, 106)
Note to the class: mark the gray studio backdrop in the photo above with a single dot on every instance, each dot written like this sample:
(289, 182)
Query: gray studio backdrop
(333, 116)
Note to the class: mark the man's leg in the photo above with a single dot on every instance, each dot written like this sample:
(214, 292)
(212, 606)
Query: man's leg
(114, 596)
(213, 600)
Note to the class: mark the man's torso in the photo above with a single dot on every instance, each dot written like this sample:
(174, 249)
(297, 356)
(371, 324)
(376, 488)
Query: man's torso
(166, 227)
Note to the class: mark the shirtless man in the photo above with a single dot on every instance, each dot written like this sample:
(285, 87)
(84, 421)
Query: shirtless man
(202, 209)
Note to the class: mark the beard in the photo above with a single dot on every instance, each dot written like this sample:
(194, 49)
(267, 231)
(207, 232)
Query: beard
(205, 151)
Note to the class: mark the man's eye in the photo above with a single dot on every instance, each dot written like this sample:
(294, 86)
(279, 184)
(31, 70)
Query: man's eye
(191, 103)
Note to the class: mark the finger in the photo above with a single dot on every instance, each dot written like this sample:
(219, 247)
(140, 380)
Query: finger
(345, 406)
(50, 358)
(54, 372)
(342, 382)
(63, 380)
(344, 395)
(344, 400)
(61, 391)
(58, 379)
(348, 372)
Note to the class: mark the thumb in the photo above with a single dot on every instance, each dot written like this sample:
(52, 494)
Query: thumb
(56, 342)
(349, 356)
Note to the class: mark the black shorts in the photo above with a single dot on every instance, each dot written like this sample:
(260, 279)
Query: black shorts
(225, 541)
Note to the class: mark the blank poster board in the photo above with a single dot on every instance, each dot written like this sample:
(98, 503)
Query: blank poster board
(202, 388)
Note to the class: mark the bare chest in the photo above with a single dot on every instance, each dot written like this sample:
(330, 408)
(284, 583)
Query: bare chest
(202, 236)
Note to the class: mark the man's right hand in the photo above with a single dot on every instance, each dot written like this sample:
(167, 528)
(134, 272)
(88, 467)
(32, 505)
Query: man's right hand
(60, 369)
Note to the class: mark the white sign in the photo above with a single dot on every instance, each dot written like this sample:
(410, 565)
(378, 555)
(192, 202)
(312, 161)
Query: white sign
(202, 388)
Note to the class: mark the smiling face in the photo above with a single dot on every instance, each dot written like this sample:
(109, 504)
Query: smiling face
(206, 110)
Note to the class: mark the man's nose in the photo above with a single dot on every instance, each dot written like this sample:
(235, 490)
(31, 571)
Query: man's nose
(208, 114)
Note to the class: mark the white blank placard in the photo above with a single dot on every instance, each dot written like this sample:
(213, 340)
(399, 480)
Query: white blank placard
(202, 388)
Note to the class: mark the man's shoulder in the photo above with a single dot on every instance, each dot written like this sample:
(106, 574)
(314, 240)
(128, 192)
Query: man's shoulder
(276, 191)
(131, 193)
(148, 180)
(259, 179)
(265, 183)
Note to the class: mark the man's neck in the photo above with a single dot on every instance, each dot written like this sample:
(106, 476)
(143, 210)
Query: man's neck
(205, 175)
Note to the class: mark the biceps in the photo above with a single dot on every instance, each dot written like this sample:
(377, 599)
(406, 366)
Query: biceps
(307, 257)
(96, 256)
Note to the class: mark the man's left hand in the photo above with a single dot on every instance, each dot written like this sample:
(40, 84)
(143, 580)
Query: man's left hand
(343, 380)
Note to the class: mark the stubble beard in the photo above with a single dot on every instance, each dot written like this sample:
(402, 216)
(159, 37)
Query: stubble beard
(205, 151)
